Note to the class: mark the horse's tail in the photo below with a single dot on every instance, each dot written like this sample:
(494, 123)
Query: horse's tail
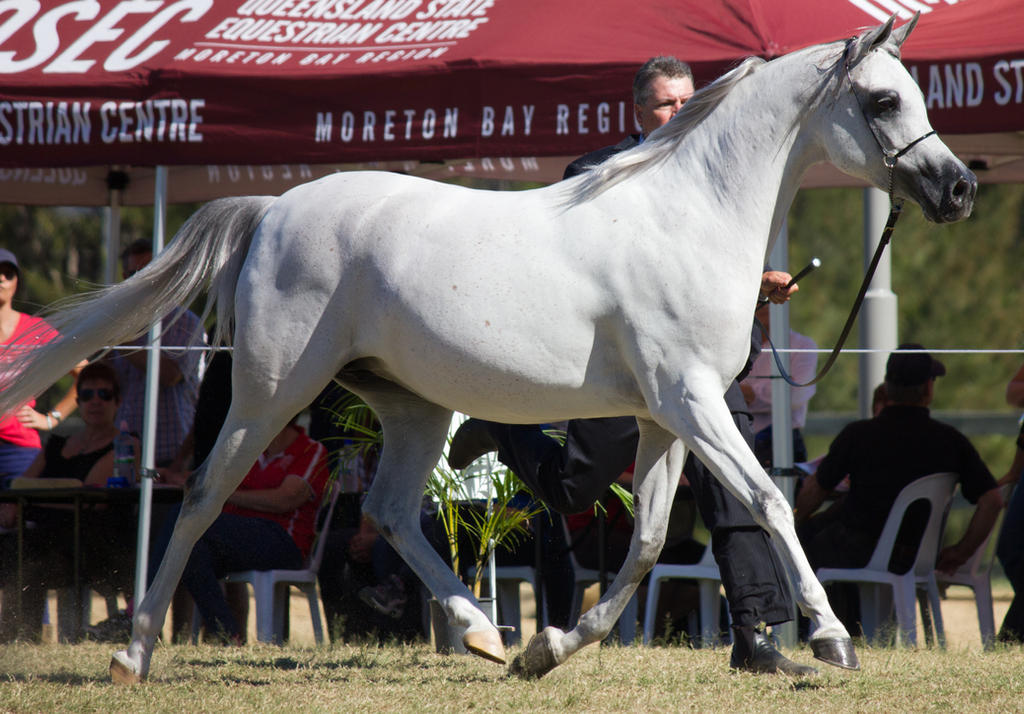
(206, 254)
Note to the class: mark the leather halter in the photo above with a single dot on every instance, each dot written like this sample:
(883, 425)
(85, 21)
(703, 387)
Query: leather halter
(889, 157)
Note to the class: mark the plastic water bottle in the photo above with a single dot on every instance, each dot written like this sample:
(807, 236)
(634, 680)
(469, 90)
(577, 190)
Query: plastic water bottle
(124, 460)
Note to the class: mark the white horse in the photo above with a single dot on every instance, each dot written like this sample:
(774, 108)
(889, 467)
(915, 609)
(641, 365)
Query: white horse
(626, 291)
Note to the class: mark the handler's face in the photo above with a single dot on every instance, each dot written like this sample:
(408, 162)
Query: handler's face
(667, 96)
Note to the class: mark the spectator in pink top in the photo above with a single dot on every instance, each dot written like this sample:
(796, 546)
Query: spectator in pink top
(19, 437)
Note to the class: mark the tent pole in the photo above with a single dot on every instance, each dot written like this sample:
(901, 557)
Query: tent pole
(782, 405)
(150, 403)
(879, 323)
(112, 231)
(117, 179)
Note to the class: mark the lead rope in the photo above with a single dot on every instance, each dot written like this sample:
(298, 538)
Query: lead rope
(889, 158)
(894, 214)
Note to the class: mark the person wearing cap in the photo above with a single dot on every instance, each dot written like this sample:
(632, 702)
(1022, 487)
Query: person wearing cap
(19, 437)
(884, 454)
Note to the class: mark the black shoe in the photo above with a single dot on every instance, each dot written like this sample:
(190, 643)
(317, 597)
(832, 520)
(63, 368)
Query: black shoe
(471, 441)
(753, 651)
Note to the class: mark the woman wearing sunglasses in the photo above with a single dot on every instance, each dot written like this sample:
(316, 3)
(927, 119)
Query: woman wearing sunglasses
(107, 536)
(86, 454)
(19, 431)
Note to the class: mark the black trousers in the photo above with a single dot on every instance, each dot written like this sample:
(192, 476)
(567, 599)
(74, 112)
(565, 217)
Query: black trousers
(571, 477)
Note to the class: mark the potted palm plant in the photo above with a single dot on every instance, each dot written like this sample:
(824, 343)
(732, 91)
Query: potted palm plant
(478, 505)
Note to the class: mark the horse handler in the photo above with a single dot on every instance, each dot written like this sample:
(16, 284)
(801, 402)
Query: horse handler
(571, 477)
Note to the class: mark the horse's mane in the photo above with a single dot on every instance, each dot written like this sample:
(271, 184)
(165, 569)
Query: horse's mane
(654, 149)
(626, 164)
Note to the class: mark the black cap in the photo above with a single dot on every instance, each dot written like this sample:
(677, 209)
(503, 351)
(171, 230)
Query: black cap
(7, 256)
(909, 369)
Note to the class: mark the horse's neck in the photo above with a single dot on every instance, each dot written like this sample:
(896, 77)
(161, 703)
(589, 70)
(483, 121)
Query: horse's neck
(748, 157)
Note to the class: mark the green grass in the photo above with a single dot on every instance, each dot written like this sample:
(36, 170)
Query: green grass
(50, 678)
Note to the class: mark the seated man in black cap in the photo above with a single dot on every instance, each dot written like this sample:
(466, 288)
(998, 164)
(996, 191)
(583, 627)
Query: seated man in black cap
(884, 454)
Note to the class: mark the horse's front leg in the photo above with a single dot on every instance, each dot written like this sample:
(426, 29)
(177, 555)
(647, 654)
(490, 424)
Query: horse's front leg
(659, 463)
(718, 443)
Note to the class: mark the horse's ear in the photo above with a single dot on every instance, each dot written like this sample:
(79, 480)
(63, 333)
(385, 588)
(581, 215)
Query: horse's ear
(869, 40)
(901, 33)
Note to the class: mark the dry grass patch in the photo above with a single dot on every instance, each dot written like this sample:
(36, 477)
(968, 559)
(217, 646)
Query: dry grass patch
(50, 678)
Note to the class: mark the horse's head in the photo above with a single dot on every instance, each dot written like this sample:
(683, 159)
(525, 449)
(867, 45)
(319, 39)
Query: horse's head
(880, 130)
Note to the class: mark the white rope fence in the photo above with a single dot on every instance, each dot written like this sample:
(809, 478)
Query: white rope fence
(940, 351)
(790, 350)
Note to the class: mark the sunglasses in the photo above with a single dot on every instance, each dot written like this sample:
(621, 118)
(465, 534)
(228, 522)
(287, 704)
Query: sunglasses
(86, 395)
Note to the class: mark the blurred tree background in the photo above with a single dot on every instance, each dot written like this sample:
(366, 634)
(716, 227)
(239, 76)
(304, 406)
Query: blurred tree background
(61, 252)
(958, 286)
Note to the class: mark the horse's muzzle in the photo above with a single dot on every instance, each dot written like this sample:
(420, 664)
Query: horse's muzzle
(958, 197)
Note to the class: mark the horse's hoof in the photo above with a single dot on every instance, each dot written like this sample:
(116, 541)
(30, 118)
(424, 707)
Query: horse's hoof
(121, 671)
(536, 660)
(837, 651)
(486, 644)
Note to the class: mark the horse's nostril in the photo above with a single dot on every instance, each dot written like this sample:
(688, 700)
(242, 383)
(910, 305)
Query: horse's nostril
(963, 191)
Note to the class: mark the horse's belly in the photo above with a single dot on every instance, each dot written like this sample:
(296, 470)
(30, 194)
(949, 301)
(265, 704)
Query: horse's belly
(506, 378)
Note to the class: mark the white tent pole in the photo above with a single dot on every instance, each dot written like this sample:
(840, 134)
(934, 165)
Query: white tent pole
(117, 180)
(150, 403)
(879, 323)
(782, 403)
(112, 230)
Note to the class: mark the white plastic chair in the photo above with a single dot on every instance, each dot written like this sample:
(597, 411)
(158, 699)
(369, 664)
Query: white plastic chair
(271, 587)
(937, 489)
(976, 574)
(709, 581)
(585, 577)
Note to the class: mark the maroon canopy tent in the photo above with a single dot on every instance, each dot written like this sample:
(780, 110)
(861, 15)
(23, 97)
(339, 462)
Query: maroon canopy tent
(339, 82)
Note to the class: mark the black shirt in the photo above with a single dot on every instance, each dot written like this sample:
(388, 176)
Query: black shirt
(884, 454)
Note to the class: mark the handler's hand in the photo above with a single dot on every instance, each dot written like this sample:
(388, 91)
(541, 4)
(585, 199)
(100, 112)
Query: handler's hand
(773, 286)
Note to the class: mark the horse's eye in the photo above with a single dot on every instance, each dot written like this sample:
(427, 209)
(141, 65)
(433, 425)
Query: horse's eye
(885, 103)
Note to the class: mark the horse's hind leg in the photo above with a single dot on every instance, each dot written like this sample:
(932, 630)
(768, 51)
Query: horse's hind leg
(718, 443)
(659, 462)
(261, 406)
(415, 432)
(237, 448)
